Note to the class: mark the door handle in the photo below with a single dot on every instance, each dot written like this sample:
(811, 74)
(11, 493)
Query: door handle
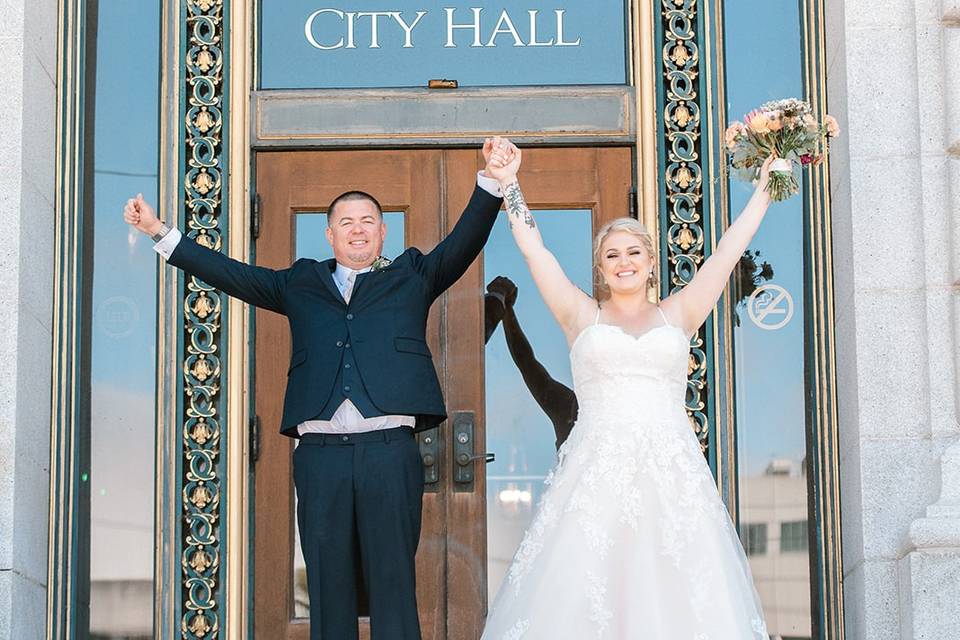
(463, 444)
(464, 459)
(430, 455)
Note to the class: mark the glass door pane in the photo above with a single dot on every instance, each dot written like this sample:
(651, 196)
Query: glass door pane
(529, 399)
(769, 352)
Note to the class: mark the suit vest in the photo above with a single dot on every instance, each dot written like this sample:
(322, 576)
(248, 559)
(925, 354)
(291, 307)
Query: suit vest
(348, 385)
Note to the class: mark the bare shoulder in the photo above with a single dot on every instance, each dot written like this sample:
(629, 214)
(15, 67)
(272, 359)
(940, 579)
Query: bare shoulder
(586, 314)
(672, 307)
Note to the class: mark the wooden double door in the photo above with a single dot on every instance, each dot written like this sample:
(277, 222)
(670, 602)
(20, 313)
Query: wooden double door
(423, 193)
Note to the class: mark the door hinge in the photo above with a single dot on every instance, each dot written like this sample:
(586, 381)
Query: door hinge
(254, 438)
(632, 202)
(255, 219)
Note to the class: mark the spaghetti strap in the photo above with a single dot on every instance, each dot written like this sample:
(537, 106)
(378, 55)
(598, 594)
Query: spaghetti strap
(597, 319)
(665, 321)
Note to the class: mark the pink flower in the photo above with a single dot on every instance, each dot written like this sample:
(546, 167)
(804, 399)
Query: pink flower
(730, 137)
(806, 159)
(758, 122)
(833, 127)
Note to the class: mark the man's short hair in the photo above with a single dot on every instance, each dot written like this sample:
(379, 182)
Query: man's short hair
(353, 195)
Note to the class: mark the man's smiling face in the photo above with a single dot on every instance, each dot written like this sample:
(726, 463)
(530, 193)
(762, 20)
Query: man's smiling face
(356, 231)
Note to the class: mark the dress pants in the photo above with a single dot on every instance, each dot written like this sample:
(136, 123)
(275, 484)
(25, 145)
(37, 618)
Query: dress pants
(360, 494)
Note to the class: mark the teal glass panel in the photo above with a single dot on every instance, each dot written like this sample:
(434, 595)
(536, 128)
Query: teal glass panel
(765, 64)
(518, 429)
(405, 44)
(311, 242)
(123, 330)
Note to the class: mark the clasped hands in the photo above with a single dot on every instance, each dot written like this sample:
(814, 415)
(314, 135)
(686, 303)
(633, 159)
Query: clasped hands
(503, 160)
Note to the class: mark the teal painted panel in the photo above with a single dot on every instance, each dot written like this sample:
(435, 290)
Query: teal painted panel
(304, 44)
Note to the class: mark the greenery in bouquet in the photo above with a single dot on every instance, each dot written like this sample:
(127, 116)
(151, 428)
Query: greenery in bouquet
(785, 129)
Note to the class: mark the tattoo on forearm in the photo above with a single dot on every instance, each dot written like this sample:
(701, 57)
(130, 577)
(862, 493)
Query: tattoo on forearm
(517, 206)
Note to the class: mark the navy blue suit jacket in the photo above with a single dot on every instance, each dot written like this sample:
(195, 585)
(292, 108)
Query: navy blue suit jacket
(385, 322)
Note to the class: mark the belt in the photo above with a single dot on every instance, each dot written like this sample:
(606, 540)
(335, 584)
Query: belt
(381, 435)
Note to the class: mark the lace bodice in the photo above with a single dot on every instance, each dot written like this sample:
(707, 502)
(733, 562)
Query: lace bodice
(615, 371)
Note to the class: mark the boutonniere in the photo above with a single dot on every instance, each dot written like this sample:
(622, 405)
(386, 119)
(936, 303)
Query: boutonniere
(381, 263)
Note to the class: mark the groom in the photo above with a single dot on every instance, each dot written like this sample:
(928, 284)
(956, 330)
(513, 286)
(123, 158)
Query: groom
(361, 381)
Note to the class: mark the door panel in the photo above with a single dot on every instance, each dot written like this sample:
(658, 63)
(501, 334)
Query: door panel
(295, 183)
(430, 187)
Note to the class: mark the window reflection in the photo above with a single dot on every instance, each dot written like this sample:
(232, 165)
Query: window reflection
(761, 65)
(529, 403)
(123, 328)
(311, 242)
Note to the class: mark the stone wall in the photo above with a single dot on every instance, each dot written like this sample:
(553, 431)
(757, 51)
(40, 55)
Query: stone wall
(894, 84)
(28, 71)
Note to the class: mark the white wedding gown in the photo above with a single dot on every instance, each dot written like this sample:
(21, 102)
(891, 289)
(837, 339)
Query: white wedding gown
(630, 539)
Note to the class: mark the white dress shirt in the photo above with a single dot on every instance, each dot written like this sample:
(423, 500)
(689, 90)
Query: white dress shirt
(347, 418)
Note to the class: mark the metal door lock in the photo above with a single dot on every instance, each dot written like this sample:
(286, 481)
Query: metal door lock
(463, 455)
(429, 453)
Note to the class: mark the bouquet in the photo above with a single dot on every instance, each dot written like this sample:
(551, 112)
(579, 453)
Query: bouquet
(785, 129)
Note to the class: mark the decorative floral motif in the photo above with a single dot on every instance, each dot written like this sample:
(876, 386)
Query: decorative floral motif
(600, 615)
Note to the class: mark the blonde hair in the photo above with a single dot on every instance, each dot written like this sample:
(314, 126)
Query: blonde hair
(633, 227)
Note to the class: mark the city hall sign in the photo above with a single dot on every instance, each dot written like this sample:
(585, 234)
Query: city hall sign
(406, 43)
(323, 26)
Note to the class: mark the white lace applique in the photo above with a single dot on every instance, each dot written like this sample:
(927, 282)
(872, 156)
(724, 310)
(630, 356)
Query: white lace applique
(632, 504)
(597, 538)
(760, 628)
(600, 615)
(532, 543)
(579, 501)
(516, 631)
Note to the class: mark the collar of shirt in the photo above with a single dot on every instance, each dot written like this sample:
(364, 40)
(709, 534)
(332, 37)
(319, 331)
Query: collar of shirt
(341, 273)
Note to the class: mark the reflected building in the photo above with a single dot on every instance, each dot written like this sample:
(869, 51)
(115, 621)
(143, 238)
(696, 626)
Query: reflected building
(775, 536)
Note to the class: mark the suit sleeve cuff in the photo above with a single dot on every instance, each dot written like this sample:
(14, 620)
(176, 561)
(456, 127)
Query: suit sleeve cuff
(490, 185)
(168, 243)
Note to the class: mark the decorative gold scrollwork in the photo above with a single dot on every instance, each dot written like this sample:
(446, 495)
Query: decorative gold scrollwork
(680, 59)
(202, 481)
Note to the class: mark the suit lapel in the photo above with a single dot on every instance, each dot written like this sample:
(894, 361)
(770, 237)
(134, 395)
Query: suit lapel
(325, 271)
(361, 278)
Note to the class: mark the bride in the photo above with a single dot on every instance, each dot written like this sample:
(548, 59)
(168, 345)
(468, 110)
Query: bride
(630, 539)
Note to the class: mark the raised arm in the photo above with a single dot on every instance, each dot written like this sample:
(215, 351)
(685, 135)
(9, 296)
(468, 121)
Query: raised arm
(699, 297)
(455, 253)
(258, 286)
(572, 308)
(555, 399)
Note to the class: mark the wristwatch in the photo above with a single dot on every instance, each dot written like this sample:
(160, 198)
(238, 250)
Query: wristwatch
(164, 230)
